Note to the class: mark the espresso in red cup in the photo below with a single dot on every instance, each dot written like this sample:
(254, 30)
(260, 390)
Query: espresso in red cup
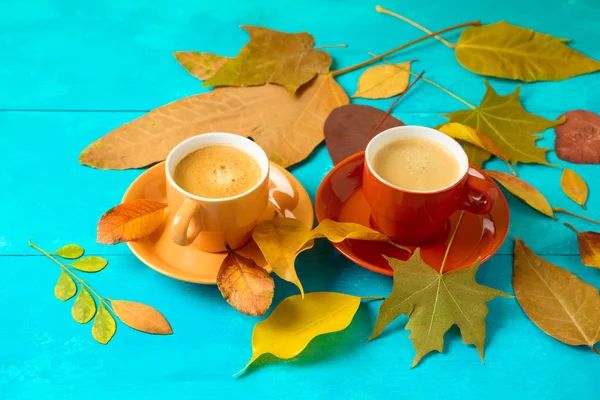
(414, 178)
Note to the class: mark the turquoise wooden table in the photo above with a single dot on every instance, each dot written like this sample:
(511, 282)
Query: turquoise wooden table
(70, 71)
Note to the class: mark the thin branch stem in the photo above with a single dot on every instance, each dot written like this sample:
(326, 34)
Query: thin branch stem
(437, 85)
(562, 210)
(511, 167)
(571, 226)
(375, 59)
(382, 10)
(372, 298)
(595, 350)
(72, 274)
(326, 46)
(460, 217)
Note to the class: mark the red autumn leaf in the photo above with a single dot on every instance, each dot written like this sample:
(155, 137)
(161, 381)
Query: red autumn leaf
(347, 129)
(578, 139)
(129, 221)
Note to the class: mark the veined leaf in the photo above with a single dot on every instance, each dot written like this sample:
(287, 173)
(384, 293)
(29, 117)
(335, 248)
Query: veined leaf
(70, 251)
(90, 264)
(296, 321)
(508, 51)
(287, 59)
(84, 307)
(104, 327)
(524, 191)
(65, 287)
(557, 301)
(201, 65)
(477, 156)
(578, 139)
(434, 302)
(282, 239)
(247, 287)
(383, 81)
(141, 317)
(467, 134)
(574, 186)
(508, 125)
(589, 248)
(288, 128)
(129, 221)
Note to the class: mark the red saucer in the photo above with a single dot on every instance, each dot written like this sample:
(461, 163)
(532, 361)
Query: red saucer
(340, 198)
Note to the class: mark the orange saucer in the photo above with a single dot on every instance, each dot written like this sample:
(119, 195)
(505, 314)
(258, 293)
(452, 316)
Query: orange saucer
(159, 252)
(340, 198)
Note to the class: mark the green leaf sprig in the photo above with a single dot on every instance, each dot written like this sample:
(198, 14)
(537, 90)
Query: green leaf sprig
(135, 315)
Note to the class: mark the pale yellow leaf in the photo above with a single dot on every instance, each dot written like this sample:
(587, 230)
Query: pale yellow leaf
(383, 81)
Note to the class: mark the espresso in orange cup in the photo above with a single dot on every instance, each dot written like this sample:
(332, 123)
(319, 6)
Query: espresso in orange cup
(212, 223)
(414, 217)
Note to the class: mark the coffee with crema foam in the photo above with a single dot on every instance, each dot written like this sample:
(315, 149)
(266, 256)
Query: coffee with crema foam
(417, 164)
(217, 171)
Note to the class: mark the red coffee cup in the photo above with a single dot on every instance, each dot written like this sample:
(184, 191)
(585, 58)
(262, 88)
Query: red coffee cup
(416, 217)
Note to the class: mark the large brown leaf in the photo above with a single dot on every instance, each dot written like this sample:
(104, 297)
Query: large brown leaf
(287, 127)
(287, 59)
(347, 129)
(557, 301)
(504, 120)
(578, 139)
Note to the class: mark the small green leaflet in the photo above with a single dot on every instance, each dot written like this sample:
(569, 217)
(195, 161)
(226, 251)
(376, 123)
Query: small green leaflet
(104, 326)
(84, 307)
(70, 251)
(65, 287)
(90, 264)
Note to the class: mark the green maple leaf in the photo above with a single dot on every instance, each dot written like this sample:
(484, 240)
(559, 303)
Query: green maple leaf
(434, 302)
(287, 59)
(504, 120)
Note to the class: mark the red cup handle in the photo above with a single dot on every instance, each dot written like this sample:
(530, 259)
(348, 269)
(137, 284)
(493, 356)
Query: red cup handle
(478, 194)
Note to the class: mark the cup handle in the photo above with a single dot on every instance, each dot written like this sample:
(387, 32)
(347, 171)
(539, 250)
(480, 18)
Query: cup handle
(479, 195)
(187, 223)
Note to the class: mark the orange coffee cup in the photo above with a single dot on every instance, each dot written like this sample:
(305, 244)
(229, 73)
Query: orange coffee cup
(212, 223)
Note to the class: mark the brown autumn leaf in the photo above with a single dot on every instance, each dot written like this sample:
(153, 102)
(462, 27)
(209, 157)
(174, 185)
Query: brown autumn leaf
(201, 65)
(247, 287)
(348, 127)
(589, 248)
(467, 134)
(129, 221)
(578, 139)
(141, 317)
(574, 186)
(524, 191)
(557, 301)
(281, 240)
(286, 59)
(287, 127)
(504, 120)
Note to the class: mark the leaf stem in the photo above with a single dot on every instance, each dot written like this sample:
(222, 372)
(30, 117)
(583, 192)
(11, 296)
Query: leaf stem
(437, 85)
(375, 59)
(382, 10)
(326, 46)
(72, 274)
(460, 217)
(511, 168)
(562, 210)
(595, 350)
(571, 226)
(372, 298)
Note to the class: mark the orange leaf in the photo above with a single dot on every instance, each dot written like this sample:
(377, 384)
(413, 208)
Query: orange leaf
(141, 317)
(247, 287)
(589, 248)
(524, 191)
(129, 221)
(574, 186)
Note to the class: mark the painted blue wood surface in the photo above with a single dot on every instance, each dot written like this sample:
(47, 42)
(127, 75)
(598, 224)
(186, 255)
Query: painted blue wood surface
(71, 71)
